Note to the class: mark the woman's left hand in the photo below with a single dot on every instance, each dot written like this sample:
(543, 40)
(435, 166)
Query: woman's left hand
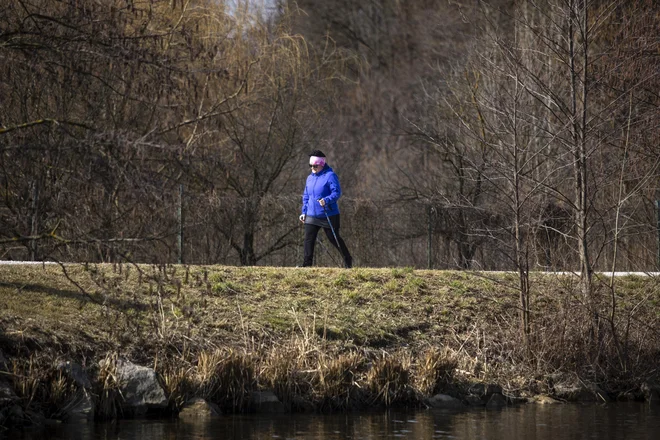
(322, 202)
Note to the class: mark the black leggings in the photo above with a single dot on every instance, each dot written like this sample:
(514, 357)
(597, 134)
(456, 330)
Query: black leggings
(311, 231)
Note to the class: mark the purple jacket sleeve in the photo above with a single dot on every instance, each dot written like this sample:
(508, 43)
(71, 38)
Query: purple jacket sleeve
(305, 198)
(335, 189)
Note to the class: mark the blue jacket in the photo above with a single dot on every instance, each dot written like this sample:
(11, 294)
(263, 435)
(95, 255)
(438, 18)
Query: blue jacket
(324, 184)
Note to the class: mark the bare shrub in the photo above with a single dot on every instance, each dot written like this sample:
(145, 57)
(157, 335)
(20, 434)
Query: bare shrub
(336, 382)
(109, 395)
(389, 379)
(435, 369)
(233, 380)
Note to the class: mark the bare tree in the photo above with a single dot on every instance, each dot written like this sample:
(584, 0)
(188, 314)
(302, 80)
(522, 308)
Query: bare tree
(82, 83)
(453, 134)
(250, 150)
(110, 107)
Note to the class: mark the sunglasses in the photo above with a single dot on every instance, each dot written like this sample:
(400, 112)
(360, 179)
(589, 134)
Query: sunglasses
(314, 166)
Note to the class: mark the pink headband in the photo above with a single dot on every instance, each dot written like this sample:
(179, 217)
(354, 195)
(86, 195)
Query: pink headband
(315, 160)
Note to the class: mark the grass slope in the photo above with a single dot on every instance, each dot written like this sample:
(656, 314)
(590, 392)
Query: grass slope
(139, 310)
(462, 325)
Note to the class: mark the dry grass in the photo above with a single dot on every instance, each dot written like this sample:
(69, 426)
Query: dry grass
(40, 384)
(107, 384)
(334, 338)
(389, 379)
(234, 380)
(435, 370)
(336, 383)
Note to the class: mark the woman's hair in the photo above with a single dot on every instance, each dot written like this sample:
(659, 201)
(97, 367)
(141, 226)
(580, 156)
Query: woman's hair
(317, 153)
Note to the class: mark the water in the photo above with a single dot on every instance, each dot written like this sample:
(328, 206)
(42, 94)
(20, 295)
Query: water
(529, 422)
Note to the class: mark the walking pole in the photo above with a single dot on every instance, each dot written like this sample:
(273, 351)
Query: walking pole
(327, 251)
(331, 228)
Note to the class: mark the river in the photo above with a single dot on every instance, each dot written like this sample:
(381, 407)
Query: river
(530, 422)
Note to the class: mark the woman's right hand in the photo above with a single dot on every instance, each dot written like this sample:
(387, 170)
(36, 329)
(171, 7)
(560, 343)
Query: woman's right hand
(302, 218)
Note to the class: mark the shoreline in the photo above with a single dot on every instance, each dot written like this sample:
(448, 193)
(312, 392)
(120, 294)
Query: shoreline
(122, 390)
(266, 339)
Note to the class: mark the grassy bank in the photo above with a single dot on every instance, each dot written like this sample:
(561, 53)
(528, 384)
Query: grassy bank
(330, 338)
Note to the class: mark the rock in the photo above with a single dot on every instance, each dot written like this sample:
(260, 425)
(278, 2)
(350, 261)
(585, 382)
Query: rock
(4, 363)
(15, 415)
(544, 400)
(496, 401)
(579, 392)
(34, 418)
(516, 400)
(266, 402)
(82, 410)
(7, 394)
(444, 401)
(485, 389)
(473, 400)
(651, 392)
(303, 405)
(573, 393)
(628, 396)
(199, 408)
(140, 388)
(76, 373)
(479, 394)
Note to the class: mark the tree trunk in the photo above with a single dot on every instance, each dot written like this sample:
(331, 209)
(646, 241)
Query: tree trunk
(247, 254)
(578, 132)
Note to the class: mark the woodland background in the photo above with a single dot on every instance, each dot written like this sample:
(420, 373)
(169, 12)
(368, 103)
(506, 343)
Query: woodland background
(499, 135)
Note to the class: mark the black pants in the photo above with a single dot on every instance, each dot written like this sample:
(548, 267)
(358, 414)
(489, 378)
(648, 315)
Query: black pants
(311, 231)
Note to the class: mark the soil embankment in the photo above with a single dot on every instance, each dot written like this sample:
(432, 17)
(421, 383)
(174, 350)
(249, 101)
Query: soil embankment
(318, 338)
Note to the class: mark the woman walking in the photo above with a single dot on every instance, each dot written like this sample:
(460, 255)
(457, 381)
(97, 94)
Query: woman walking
(320, 209)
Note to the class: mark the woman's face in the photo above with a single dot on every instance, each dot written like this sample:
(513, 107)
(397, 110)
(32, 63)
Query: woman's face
(316, 163)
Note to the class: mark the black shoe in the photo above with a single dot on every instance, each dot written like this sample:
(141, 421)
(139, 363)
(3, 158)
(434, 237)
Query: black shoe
(348, 262)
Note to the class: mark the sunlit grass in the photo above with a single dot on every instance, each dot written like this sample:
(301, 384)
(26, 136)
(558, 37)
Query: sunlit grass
(331, 337)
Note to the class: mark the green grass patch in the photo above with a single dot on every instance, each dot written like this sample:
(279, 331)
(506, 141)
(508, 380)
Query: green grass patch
(151, 312)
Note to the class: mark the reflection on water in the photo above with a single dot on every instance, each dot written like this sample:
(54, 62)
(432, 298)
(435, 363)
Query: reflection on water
(529, 422)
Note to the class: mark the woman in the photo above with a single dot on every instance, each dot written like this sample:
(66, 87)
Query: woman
(319, 199)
